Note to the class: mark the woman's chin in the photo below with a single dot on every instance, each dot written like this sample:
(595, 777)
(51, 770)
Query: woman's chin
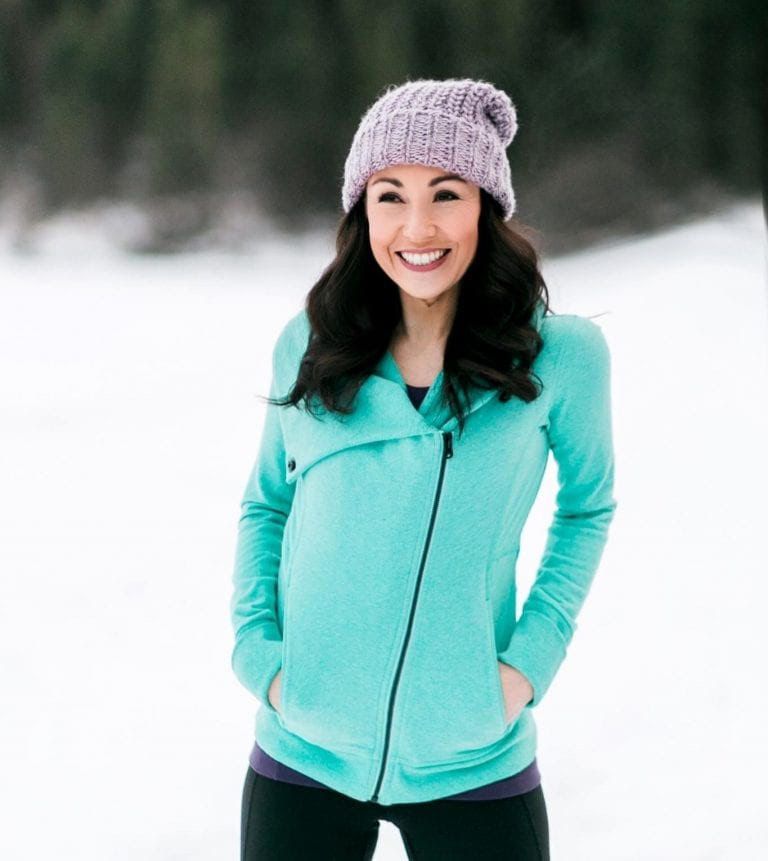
(425, 292)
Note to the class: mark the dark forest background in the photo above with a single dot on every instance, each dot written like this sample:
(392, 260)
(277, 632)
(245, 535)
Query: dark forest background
(632, 115)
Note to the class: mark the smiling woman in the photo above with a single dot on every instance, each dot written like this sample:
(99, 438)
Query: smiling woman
(427, 269)
(375, 601)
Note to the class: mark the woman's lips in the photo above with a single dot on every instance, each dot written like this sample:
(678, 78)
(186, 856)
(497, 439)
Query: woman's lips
(428, 268)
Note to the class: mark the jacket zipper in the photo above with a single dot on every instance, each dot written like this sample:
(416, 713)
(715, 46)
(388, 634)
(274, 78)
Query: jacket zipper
(446, 453)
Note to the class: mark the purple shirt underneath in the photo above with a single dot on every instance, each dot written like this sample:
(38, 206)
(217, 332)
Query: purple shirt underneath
(525, 780)
(417, 394)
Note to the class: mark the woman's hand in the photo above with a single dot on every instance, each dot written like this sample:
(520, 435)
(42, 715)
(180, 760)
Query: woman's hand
(518, 691)
(274, 690)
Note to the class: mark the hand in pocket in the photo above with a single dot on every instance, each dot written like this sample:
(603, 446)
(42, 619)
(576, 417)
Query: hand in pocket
(518, 691)
(274, 690)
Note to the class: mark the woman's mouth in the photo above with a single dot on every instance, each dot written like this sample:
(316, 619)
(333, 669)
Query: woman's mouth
(423, 262)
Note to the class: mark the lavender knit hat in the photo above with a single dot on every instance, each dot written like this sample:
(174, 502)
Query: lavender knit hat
(461, 125)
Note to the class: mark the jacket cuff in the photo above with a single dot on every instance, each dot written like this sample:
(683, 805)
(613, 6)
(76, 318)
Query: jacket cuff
(255, 661)
(536, 649)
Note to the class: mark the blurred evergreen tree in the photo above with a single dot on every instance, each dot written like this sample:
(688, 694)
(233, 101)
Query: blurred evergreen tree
(183, 107)
(85, 73)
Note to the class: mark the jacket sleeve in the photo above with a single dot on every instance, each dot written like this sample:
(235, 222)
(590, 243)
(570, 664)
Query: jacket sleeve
(266, 503)
(580, 435)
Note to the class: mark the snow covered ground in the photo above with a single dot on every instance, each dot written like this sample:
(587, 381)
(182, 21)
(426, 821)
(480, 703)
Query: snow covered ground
(129, 422)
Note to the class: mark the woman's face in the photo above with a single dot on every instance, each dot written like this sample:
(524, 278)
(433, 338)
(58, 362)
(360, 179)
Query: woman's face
(418, 209)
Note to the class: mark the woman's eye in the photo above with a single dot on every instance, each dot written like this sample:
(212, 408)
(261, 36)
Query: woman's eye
(391, 195)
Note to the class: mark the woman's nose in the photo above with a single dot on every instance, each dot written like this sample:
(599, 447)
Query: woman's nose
(418, 226)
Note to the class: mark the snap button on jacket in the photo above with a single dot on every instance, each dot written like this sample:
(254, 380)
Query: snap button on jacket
(376, 561)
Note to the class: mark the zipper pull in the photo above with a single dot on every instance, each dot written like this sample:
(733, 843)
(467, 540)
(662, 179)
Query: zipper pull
(448, 439)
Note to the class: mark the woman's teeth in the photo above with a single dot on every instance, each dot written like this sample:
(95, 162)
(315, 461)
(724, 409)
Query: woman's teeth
(422, 259)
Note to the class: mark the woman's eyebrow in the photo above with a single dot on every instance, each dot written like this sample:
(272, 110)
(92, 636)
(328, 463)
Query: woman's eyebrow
(434, 181)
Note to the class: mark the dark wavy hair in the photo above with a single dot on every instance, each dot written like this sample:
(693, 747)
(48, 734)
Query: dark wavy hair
(354, 307)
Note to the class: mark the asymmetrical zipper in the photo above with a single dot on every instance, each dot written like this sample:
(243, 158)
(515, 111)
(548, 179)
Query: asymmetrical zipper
(446, 453)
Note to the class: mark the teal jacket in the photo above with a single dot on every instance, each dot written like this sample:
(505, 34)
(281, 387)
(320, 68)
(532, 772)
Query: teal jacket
(375, 565)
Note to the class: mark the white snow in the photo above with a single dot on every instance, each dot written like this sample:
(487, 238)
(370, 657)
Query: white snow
(129, 423)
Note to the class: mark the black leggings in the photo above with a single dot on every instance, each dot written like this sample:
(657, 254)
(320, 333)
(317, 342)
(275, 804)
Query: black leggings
(289, 822)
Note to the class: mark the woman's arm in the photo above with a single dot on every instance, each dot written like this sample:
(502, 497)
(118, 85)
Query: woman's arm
(266, 503)
(580, 434)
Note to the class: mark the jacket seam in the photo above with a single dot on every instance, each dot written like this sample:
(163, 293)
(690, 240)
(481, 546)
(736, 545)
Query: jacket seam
(556, 377)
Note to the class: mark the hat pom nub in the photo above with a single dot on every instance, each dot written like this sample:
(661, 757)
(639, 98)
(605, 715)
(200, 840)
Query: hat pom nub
(501, 112)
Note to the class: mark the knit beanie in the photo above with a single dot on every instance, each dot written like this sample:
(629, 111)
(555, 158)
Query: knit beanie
(461, 125)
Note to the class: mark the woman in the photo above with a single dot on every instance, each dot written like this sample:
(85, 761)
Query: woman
(414, 403)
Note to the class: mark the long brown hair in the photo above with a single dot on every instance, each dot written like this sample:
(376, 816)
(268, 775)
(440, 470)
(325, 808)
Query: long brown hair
(354, 307)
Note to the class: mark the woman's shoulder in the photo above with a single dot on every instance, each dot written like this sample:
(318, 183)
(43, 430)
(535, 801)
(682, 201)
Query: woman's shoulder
(293, 337)
(570, 326)
(573, 337)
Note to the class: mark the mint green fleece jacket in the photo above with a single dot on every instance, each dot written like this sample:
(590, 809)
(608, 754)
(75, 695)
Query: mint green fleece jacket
(375, 564)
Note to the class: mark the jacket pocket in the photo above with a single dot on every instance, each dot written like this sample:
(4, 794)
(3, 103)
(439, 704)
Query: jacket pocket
(329, 692)
(268, 705)
(497, 673)
(453, 709)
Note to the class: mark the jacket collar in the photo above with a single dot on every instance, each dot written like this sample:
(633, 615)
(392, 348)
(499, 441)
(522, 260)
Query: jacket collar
(382, 411)
(436, 415)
